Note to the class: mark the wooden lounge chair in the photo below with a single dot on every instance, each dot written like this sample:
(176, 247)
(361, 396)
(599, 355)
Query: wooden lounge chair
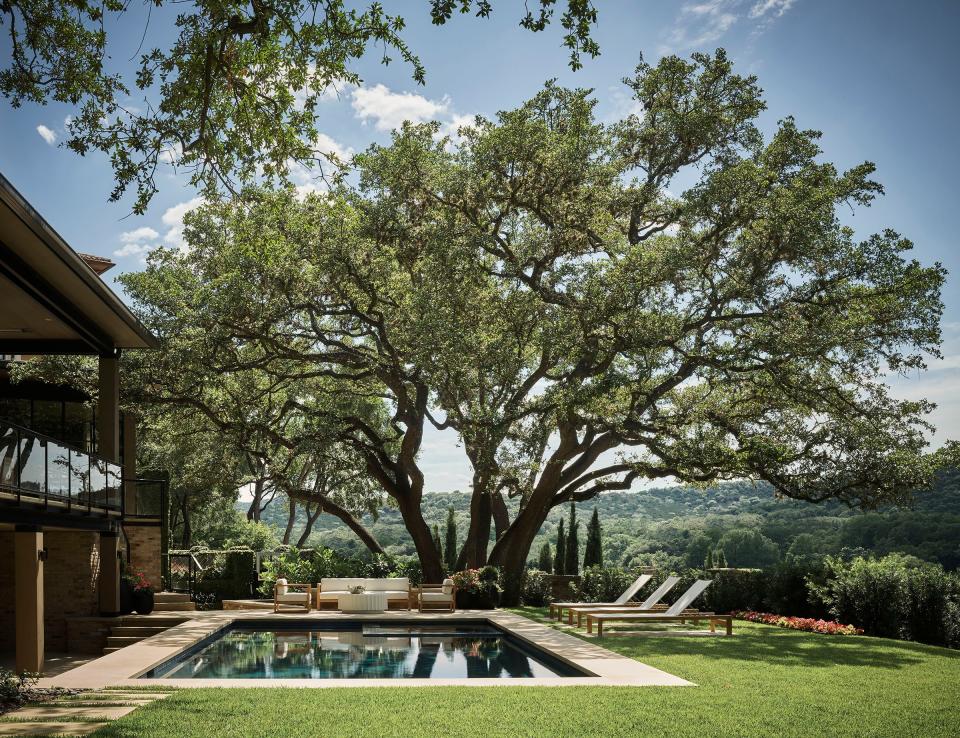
(556, 608)
(438, 597)
(286, 601)
(677, 613)
(651, 603)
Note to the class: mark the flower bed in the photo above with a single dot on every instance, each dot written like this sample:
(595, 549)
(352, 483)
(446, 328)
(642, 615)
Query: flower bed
(811, 625)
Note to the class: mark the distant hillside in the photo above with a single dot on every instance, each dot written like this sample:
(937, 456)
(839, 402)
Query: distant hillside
(669, 524)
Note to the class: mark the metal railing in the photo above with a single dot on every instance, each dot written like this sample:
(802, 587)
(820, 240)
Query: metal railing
(180, 572)
(41, 469)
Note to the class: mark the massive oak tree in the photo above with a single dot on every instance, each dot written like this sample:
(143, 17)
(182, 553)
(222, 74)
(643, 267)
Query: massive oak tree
(588, 304)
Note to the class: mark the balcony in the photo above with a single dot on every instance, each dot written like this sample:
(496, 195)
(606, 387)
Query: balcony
(40, 471)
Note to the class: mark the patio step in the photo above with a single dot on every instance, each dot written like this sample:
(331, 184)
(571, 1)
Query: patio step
(134, 628)
(138, 631)
(174, 606)
(165, 597)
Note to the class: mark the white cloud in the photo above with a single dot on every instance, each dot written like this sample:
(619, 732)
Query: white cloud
(47, 135)
(701, 23)
(452, 127)
(324, 144)
(173, 219)
(132, 249)
(171, 154)
(388, 110)
(144, 233)
(773, 8)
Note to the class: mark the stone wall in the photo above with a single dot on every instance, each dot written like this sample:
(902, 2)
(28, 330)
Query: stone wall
(144, 546)
(70, 582)
(88, 635)
(70, 585)
(8, 636)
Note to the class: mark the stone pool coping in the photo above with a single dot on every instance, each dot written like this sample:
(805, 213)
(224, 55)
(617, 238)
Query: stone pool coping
(121, 668)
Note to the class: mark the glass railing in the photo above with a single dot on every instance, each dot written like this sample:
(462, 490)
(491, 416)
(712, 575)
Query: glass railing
(39, 468)
(149, 499)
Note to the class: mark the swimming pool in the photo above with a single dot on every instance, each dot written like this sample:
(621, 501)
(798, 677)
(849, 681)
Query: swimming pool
(367, 650)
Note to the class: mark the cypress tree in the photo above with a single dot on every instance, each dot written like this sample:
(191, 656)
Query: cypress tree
(708, 564)
(593, 552)
(721, 559)
(572, 558)
(546, 558)
(436, 538)
(450, 550)
(560, 559)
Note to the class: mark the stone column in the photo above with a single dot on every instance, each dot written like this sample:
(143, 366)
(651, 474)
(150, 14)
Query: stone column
(108, 408)
(28, 592)
(129, 463)
(109, 583)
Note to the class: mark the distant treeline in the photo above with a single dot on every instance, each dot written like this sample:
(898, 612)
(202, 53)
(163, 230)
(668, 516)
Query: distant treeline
(677, 526)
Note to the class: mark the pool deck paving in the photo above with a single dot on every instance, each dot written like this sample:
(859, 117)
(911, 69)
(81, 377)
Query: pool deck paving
(122, 669)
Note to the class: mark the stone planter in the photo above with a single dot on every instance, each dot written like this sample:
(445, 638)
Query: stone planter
(143, 601)
(126, 597)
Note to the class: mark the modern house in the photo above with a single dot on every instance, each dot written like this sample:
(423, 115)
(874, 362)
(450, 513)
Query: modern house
(72, 510)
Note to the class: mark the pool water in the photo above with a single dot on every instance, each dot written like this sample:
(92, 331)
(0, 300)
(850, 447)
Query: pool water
(345, 650)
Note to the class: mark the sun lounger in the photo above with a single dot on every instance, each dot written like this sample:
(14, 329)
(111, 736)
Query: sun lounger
(677, 613)
(556, 608)
(651, 603)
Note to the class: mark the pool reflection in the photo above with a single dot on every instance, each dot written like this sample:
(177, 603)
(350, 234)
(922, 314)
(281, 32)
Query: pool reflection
(349, 654)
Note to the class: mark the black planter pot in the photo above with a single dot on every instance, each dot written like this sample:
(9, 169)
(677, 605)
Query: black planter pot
(477, 600)
(126, 597)
(143, 601)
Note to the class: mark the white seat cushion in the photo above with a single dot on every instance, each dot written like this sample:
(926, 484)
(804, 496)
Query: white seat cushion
(448, 586)
(298, 597)
(435, 597)
(281, 586)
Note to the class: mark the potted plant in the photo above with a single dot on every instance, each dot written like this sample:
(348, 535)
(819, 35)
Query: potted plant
(142, 599)
(478, 589)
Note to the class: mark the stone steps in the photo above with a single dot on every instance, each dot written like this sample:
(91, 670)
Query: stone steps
(134, 628)
(79, 714)
(174, 606)
(164, 597)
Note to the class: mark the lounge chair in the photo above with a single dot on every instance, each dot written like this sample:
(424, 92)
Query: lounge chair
(677, 613)
(285, 600)
(438, 597)
(651, 603)
(556, 608)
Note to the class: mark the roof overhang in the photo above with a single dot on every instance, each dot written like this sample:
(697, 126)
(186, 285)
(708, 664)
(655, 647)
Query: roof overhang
(51, 301)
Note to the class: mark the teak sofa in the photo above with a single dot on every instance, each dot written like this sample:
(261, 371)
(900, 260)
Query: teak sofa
(397, 590)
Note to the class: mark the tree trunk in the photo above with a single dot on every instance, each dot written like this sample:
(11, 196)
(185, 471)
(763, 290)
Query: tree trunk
(253, 512)
(473, 554)
(291, 518)
(329, 506)
(512, 549)
(311, 519)
(430, 558)
(501, 515)
(187, 532)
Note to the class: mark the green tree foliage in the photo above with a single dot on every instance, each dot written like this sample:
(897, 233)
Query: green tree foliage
(708, 561)
(545, 561)
(593, 551)
(450, 549)
(560, 558)
(749, 549)
(572, 553)
(231, 94)
(721, 559)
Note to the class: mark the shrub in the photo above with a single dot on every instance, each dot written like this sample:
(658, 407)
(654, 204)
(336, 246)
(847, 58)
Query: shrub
(895, 596)
(735, 589)
(478, 588)
(15, 688)
(537, 588)
(600, 584)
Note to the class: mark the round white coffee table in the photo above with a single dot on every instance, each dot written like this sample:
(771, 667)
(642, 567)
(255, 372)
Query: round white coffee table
(365, 602)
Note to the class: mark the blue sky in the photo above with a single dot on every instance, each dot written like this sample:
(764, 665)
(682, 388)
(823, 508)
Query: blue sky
(877, 77)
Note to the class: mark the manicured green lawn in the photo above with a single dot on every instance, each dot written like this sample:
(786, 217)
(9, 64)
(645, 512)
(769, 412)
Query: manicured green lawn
(764, 681)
